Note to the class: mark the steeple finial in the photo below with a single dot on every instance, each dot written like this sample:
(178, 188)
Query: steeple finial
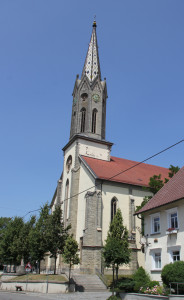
(94, 22)
(92, 66)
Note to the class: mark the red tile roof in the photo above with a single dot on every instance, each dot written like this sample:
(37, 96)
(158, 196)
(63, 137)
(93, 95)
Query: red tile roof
(171, 191)
(138, 175)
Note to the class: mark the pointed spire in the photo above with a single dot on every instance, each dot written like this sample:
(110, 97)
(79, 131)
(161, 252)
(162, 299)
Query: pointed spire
(92, 65)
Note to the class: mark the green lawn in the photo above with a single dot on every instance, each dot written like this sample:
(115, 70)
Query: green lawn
(39, 277)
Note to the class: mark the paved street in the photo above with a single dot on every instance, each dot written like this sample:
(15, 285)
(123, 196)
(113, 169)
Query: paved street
(71, 296)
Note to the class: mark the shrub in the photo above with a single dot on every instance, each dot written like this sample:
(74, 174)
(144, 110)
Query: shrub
(153, 283)
(173, 272)
(125, 284)
(141, 279)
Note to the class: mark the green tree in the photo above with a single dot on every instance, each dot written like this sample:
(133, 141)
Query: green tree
(24, 243)
(3, 225)
(57, 234)
(9, 249)
(116, 250)
(173, 170)
(38, 236)
(70, 255)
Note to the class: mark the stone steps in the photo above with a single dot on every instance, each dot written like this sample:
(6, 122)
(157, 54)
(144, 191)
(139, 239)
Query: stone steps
(89, 283)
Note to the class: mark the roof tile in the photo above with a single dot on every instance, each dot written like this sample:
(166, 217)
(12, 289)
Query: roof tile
(171, 191)
(125, 169)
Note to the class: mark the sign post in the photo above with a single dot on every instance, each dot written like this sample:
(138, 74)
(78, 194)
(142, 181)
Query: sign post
(28, 268)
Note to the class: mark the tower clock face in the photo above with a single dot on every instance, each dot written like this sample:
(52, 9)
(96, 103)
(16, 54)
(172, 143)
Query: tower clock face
(95, 98)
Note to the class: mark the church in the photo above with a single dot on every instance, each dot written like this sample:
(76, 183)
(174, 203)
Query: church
(93, 183)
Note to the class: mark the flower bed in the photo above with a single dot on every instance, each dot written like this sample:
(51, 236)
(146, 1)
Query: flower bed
(156, 290)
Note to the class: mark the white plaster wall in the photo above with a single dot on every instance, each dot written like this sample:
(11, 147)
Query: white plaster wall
(69, 151)
(121, 192)
(165, 242)
(86, 181)
(95, 150)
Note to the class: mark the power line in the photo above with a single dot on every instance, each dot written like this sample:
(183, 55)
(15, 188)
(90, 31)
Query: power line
(129, 168)
(123, 171)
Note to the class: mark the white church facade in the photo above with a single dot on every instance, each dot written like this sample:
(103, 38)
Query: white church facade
(93, 183)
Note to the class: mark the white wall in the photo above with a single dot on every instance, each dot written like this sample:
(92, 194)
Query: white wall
(122, 193)
(93, 149)
(86, 181)
(161, 241)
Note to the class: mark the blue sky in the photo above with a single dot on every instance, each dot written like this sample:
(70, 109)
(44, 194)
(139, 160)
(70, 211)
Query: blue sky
(43, 47)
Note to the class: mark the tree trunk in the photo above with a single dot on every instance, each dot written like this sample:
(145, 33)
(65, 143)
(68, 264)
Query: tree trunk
(39, 267)
(113, 279)
(55, 258)
(117, 268)
(70, 266)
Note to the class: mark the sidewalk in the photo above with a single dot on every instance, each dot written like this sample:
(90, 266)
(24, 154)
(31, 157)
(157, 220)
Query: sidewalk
(70, 296)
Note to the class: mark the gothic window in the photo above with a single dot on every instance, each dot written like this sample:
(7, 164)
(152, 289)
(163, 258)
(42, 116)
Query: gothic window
(113, 207)
(68, 163)
(66, 201)
(94, 113)
(83, 118)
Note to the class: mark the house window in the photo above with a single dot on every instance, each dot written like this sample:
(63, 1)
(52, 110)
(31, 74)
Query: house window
(113, 208)
(157, 259)
(172, 217)
(175, 256)
(174, 220)
(155, 223)
(94, 113)
(83, 118)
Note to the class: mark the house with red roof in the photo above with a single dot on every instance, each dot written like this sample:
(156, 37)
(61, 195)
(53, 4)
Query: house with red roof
(94, 183)
(163, 239)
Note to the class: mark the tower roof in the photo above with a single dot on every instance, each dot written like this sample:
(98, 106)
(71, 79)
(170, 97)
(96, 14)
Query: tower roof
(92, 66)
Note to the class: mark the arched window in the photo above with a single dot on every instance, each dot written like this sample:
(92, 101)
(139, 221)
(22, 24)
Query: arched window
(66, 201)
(83, 118)
(114, 202)
(94, 113)
(68, 163)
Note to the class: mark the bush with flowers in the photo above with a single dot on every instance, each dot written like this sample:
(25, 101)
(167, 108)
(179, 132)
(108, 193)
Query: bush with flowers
(155, 290)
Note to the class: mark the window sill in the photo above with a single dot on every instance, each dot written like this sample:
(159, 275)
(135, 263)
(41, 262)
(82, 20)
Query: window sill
(174, 231)
(155, 233)
(156, 270)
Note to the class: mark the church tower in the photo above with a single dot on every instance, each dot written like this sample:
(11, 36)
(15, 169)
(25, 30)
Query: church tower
(89, 96)
(87, 132)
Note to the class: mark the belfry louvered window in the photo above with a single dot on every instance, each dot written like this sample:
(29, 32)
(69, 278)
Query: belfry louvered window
(94, 113)
(83, 118)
